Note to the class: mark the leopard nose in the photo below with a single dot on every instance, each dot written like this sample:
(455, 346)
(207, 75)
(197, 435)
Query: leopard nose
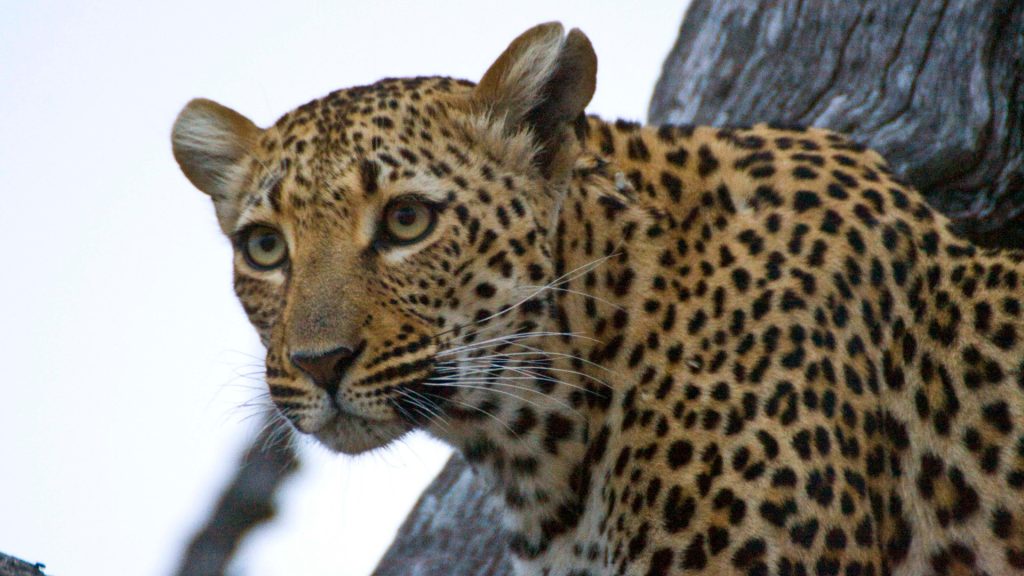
(325, 368)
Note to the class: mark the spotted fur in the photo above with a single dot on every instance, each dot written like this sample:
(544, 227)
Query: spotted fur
(668, 350)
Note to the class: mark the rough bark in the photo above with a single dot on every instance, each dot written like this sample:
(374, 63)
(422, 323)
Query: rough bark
(11, 566)
(936, 86)
(454, 529)
(245, 503)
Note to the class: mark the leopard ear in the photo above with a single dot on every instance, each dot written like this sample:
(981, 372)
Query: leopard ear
(209, 142)
(542, 82)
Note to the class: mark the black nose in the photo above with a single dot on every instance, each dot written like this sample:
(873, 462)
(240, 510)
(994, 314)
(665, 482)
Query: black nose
(325, 368)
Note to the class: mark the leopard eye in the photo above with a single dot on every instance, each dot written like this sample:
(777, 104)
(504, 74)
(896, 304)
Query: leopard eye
(264, 248)
(408, 220)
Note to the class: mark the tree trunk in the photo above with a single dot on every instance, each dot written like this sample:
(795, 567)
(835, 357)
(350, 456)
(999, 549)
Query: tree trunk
(10, 566)
(936, 86)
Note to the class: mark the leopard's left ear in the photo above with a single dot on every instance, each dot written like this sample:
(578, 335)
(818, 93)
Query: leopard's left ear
(542, 82)
(210, 142)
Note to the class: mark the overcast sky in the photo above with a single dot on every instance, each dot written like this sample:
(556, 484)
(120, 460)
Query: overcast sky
(126, 357)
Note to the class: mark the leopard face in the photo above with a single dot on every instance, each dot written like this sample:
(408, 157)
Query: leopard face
(379, 233)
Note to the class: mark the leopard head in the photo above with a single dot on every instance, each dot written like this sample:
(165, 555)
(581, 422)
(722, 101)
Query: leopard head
(385, 236)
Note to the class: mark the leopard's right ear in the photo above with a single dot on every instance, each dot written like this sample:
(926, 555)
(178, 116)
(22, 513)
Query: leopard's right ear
(542, 83)
(209, 142)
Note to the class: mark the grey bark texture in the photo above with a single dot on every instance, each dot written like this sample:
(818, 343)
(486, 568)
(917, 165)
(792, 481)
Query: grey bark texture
(10, 566)
(936, 86)
(454, 529)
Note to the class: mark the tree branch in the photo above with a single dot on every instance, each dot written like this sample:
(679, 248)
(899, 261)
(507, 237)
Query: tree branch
(936, 87)
(246, 502)
(11, 566)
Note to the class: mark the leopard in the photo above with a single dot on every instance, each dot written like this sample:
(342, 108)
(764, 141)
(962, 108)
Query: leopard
(663, 349)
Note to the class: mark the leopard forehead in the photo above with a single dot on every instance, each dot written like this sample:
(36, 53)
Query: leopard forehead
(324, 172)
(341, 149)
(324, 164)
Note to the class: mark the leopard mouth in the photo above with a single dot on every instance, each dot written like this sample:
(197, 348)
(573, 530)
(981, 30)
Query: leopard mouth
(350, 433)
(344, 428)
(418, 402)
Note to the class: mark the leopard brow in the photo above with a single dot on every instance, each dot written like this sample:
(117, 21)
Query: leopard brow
(421, 187)
(263, 190)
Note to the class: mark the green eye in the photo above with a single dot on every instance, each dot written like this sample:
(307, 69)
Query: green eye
(264, 248)
(409, 220)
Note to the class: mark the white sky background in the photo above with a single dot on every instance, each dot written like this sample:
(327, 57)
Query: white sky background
(122, 344)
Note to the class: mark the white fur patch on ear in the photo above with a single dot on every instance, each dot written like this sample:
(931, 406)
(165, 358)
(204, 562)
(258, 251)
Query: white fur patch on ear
(514, 84)
(209, 140)
(524, 80)
(541, 84)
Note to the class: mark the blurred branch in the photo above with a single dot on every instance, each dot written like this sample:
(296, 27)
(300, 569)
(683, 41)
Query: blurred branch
(246, 502)
(11, 566)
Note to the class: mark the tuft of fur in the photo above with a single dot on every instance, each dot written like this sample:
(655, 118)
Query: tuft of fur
(209, 142)
(514, 84)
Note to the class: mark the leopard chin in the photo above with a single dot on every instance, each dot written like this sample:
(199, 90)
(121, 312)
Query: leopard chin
(351, 434)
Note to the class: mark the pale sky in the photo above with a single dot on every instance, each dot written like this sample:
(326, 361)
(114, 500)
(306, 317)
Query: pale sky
(126, 356)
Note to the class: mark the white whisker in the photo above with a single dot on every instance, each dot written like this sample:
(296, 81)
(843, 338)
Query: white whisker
(563, 279)
(578, 293)
(489, 386)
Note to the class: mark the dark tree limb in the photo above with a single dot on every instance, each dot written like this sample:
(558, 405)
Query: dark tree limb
(455, 528)
(246, 502)
(11, 566)
(936, 86)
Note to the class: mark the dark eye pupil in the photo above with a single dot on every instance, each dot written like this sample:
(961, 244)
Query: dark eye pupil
(267, 243)
(405, 215)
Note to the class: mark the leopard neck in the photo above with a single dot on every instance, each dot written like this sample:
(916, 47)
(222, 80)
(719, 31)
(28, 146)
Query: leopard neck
(560, 434)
